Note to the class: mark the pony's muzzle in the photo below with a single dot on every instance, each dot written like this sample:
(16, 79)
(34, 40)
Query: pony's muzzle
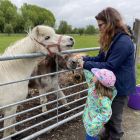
(73, 64)
(71, 40)
(77, 78)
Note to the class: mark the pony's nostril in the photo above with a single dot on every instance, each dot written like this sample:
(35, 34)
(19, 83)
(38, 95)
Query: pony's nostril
(77, 77)
(73, 62)
(71, 39)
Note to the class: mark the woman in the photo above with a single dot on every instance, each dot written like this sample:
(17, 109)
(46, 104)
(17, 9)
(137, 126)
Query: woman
(116, 54)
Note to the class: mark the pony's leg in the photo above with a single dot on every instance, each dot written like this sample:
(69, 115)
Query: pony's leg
(60, 94)
(10, 121)
(43, 99)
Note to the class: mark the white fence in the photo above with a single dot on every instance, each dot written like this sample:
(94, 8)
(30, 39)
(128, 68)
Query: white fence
(31, 122)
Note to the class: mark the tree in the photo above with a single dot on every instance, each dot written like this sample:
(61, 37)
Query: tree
(25, 17)
(2, 21)
(19, 24)
(37, 15)
(81, 31)
(62, 27)
(8, 29)
(90, 29)
(69, 29)
(9, 12)
(75, 31)
(28, 25)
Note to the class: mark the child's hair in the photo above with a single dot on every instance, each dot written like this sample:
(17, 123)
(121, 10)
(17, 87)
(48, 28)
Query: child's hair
(102, 90)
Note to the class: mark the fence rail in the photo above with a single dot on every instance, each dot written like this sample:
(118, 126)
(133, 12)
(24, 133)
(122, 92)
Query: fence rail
(59, 117)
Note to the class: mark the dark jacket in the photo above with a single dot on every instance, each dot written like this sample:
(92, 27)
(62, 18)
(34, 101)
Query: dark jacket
(120, 60)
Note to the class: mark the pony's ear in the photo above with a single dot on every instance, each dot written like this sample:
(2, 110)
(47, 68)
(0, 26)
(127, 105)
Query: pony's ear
(35, 31)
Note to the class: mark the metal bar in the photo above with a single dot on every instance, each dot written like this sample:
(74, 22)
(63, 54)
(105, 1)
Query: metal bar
(52, 126)
(48, 93)
(25, 111)
(26, 129)
(44, 113)
(34, 55)
(35, 77)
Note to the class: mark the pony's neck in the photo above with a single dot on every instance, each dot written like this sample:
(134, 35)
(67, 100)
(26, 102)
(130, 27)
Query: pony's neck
(23, 46)
(20, 68)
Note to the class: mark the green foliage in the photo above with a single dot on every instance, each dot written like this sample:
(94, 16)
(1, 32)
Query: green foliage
(62, 29)
(81, 31)
(8, 12)
(2, 21)
(138, 74)
(24, 18)
(29, 16)
(90, 29)
(8, 29)
(36, 15)
(19, 24)
(75, 31)
(28, 25)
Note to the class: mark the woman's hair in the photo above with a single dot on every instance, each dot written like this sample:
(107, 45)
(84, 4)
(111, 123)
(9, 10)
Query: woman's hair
(103, 91)
(114, 23)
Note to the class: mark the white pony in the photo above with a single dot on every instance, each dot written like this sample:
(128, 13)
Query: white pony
(40, 39)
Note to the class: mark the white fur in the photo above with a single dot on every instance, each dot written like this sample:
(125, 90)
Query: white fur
(13, 70)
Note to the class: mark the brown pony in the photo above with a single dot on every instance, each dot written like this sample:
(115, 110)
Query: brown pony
(46, 83)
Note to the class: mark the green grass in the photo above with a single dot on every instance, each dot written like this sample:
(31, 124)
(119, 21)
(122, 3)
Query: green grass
(85, 41)
(6, 40)
(138, 74)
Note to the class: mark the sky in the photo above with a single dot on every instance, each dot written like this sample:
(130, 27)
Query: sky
(80, 13)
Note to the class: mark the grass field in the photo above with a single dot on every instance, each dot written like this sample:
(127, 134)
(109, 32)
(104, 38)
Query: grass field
(85, 41)
(6, 40)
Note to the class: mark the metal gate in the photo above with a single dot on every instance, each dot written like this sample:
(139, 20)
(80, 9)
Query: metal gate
(31, 121)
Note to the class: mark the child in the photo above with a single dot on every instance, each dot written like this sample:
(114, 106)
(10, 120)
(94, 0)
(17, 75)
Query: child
(101, 92)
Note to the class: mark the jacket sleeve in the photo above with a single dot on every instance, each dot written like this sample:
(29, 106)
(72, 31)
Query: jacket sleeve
(119, 54)
(97, 58)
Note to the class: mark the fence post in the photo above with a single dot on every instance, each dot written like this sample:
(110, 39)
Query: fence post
(136, 29)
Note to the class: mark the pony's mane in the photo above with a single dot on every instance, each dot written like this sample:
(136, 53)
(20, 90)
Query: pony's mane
(20, 47)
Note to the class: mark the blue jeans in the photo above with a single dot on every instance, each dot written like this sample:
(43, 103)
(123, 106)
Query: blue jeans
(91, 138)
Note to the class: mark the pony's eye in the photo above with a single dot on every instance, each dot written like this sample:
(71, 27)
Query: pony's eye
(47, 37)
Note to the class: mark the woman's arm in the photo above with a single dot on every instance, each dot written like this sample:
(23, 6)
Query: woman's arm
(120, 52)
(97, 58)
